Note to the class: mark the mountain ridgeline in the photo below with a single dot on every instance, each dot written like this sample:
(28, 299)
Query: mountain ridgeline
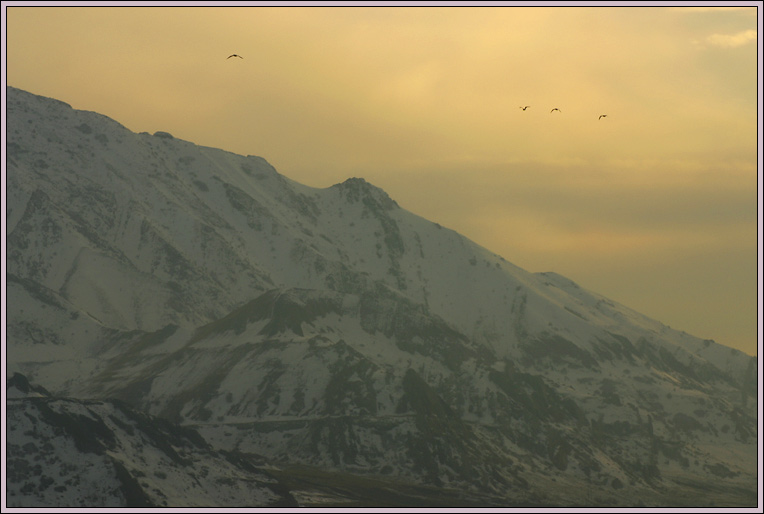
(340, 340)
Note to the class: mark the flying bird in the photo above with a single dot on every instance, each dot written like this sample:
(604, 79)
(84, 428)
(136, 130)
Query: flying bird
(235, 55)
(602, 116)
(523, 108)
(555, 109)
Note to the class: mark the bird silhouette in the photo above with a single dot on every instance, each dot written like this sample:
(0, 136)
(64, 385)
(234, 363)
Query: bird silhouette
(602, 116)
(555, 109)
(235, 55)
(523, 108)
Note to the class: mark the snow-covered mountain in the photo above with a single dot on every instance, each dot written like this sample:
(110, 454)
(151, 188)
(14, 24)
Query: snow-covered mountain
(332, 330)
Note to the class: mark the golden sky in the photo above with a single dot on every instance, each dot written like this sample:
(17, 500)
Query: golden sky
(654, 206)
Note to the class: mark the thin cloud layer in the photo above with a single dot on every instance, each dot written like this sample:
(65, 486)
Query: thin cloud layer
(732, 40)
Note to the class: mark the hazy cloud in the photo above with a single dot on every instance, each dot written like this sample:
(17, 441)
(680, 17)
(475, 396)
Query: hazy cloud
(732, 40)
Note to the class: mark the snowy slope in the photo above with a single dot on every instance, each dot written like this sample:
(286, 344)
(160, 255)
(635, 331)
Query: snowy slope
(73, 453)
(330, 327)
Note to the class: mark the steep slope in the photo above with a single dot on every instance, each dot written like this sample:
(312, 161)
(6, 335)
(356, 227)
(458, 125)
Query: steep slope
(330, 327)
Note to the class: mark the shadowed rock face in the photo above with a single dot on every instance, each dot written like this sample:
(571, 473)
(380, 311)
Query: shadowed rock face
(331, 330)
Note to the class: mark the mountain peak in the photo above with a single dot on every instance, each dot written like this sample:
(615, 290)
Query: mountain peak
(355, 189)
